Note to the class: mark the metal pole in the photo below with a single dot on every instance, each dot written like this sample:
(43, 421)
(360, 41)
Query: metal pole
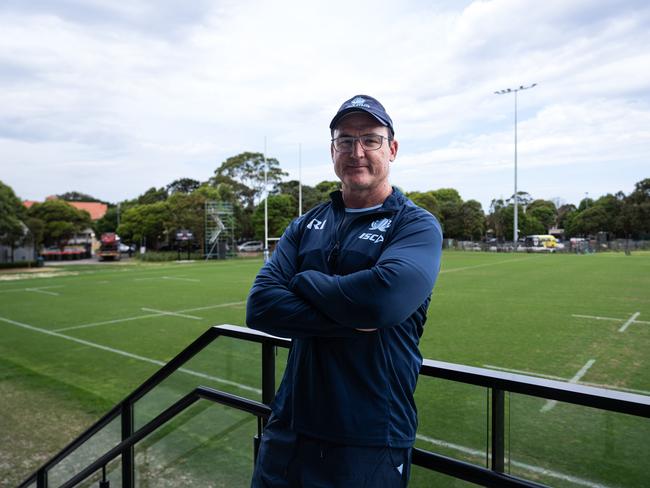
(515, 231)
(266, 207)
(128, 456)
(299, 180)
(498, 430)
(515, 234)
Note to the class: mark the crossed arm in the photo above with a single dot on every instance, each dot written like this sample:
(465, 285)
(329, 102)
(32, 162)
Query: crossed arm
(287, 302)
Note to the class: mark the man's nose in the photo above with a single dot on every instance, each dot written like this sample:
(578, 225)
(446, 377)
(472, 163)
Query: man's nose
(357, 149)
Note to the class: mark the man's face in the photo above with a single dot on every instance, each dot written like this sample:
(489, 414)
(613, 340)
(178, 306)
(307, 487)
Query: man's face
(362, 169)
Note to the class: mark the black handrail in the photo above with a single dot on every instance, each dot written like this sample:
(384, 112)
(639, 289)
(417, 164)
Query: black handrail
(498, 382)
(199, 393)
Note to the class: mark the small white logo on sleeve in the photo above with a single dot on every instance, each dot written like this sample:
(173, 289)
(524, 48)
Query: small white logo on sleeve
(381, 225)
(316, 224)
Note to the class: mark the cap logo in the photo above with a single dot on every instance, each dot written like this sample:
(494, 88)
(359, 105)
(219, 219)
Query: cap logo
(359, 102)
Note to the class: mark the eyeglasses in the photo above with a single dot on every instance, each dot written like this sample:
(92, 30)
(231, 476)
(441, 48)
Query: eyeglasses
(370, 142)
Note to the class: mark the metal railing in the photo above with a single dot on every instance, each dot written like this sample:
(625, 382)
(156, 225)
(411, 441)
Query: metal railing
(497, 382)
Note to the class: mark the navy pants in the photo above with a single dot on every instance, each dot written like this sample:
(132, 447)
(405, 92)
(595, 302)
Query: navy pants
(287, 459)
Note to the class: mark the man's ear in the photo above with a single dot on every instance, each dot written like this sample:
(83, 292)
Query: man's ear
(394, 146)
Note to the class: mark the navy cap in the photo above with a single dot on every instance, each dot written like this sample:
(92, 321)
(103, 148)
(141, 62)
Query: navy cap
(364, 103)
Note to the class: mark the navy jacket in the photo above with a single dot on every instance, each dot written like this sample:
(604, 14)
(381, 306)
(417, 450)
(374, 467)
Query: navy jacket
(330, 275)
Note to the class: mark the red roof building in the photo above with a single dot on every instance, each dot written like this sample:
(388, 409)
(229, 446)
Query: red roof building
(96, 209)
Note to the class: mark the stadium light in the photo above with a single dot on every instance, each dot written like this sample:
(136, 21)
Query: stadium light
(266, 206)
(505, 91)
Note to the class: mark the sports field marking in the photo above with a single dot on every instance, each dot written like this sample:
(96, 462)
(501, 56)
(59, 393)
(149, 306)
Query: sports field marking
(40, 289)
(629, 321)
(550, 404)
(209, 307)
(106, 322)
(559, 378)
(146, 316)
(453, 270)
(174, 314)
(130, 355)
(528, 467)
(167, 278)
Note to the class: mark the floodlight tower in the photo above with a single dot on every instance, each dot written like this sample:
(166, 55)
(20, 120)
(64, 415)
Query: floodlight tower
(515, 234)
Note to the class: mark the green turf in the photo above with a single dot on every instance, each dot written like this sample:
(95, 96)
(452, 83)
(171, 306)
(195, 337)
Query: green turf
(504, 310)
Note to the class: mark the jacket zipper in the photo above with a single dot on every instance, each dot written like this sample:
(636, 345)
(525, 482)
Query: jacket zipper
(332, 257)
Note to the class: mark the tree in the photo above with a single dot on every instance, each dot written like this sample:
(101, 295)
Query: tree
(426, 200)
(61, 221)
(183, 185)
(187, 211)
(247, 169)
(473, 220)
(445, 195)
(310, 195)
(281, 209)
(544, 211)
(152, 195)
(76, 196)
(145, 223)
(108, 223)
(496, 218)
(12, 214)
(326, 187)
(564, 214)
(588, 222)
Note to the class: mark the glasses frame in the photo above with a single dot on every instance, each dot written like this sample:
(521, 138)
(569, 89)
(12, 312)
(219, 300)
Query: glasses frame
(355, 139)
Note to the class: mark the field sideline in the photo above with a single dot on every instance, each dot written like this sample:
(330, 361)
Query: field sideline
(74, 343)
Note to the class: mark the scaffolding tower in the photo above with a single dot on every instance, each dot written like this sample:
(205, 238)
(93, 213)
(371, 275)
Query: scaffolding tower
(219, 230)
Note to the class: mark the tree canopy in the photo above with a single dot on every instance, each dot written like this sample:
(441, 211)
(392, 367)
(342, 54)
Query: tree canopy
(60, 221)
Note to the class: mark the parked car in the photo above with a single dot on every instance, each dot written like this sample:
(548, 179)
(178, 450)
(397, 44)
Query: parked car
(251, 246)
(126, 248)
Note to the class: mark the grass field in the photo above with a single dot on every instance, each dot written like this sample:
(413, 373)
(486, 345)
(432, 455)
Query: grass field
(74, 343)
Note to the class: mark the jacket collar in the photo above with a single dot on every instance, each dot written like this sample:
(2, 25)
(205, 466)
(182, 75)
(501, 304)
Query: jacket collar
(394, 201)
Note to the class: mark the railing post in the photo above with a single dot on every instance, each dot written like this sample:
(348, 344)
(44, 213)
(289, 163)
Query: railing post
(128, 456)
(498, 430)
(268, 390)
(41, 478)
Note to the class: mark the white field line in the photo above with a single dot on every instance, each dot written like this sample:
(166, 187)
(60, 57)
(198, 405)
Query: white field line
(146, 316)
(209, 307)
(130, 355)
(174, 314)
(106, 322)
(453, 270)
(529, 467)
(594, 317)
(521, 371)
(629, 321)
(167, 278)
(559, 378)
(36, 289)
(551, 403)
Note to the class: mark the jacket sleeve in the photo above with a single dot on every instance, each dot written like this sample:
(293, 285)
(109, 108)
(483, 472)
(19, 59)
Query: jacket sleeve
(273, 308)
(389, 292)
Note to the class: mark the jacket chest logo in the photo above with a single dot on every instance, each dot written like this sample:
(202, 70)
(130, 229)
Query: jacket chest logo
(376, 238)
(378, 225)
(381, 225)
(316, 224)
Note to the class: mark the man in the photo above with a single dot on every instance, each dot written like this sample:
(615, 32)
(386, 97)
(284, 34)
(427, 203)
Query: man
(350, 282)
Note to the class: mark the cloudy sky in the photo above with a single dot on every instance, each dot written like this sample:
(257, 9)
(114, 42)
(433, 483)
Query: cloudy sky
(111, 98)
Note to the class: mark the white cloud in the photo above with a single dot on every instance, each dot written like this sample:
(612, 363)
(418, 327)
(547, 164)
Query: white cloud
(90, 88)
